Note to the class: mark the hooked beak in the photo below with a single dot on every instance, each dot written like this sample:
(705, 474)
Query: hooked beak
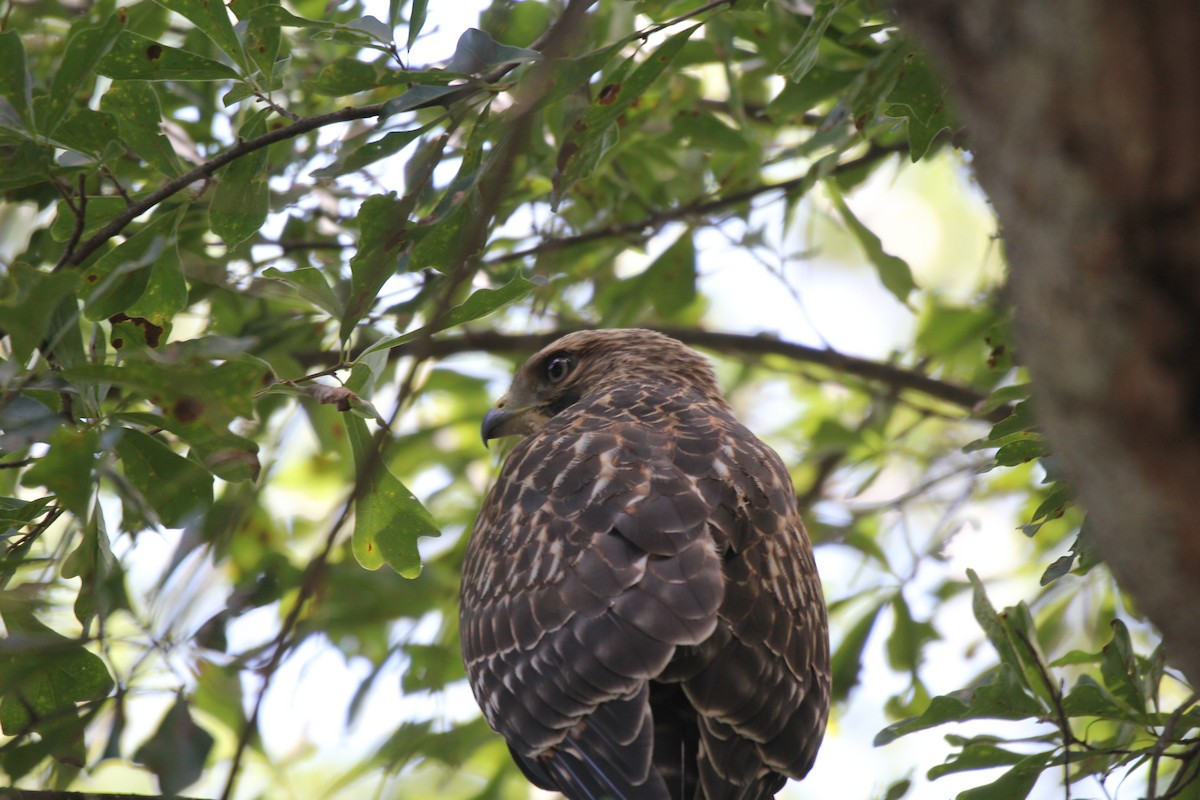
(505, 420)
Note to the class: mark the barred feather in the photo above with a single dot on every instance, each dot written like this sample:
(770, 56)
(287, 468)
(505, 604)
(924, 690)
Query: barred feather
(641, 614)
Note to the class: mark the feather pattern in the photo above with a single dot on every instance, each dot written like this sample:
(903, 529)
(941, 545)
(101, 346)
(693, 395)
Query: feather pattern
(641, 615)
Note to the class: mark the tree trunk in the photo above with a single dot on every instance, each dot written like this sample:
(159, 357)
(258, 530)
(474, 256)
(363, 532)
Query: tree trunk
(1084, 120)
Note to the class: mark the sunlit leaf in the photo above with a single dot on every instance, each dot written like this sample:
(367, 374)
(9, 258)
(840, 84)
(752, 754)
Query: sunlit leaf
(388, 518)
(212, 18)
(135, 57)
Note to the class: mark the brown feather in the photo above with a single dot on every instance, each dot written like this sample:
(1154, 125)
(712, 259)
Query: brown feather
(641, 614)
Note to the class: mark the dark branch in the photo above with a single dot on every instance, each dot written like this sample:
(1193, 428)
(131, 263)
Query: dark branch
(732, 344)
(654, 221)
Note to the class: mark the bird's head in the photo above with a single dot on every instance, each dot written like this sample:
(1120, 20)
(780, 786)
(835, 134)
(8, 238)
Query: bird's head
(589, 362)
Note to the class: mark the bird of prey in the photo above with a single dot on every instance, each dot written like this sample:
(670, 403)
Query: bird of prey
(641, 616)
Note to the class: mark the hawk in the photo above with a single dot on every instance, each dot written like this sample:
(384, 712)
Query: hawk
(641, 616)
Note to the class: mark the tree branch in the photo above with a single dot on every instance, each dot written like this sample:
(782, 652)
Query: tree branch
(205, 170)
(654, 221)
(732, 344)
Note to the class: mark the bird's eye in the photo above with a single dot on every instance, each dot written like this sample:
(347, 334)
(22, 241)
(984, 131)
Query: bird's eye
(559, 367)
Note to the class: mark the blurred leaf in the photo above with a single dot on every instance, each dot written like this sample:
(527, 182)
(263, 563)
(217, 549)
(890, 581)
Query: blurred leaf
(918, 96)
(102, 581)
(1004, 697)
(383, 222)
(894, 272)
(98, 211)
(67, 468)
(44, 697)
(311, 285)
(594, 133)
(179, 490)
(477, 51)
(225, 454)
(909, 638)
(1014, 784)
(803, 56)
(846, 662)
(212, 18)
(25, 295)
(177, 751)
(388, 518)
(15, 84)
(979, 754)
(364, 155)
(85, 49)
(239, 206)
(481, 303)
(416, 20)
(117, 279)
(135, 57)
(1120, 669)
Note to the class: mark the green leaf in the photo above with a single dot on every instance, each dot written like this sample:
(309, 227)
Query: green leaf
(388, 518)
(364, 155)
(481, 303)
(1005, 697)
(919, 97)
(416, 20)
(43, 675)
(15, 85)
(89, 133)
(98, 211)
(477, 52)
(383, 225)
(595, 132)
(102, 581)
(240, 204)
(228, 456)
(67, 469)
(995, 628)
(116, 280)
(191, 390)
(977, 754)
(177, 751)
(311, 285)
(85, 49)
(212, 19)
(178, 489)
(819, 84)
(1120, 669)
(909, 637)
(1021, 451)
(165, 295)
(846, 662)
(135, 57)
(1014, 784)
(671, 279)
(25, 295)
(1089, 699)
(894, 272)
(803, 56)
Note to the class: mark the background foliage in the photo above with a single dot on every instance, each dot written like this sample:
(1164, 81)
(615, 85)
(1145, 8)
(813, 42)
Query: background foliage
(263, 275)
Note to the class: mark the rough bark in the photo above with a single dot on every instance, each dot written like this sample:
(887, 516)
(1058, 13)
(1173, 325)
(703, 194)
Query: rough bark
(1084, 120)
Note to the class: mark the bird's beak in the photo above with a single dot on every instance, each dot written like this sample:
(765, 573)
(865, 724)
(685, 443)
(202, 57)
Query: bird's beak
(508, 419)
